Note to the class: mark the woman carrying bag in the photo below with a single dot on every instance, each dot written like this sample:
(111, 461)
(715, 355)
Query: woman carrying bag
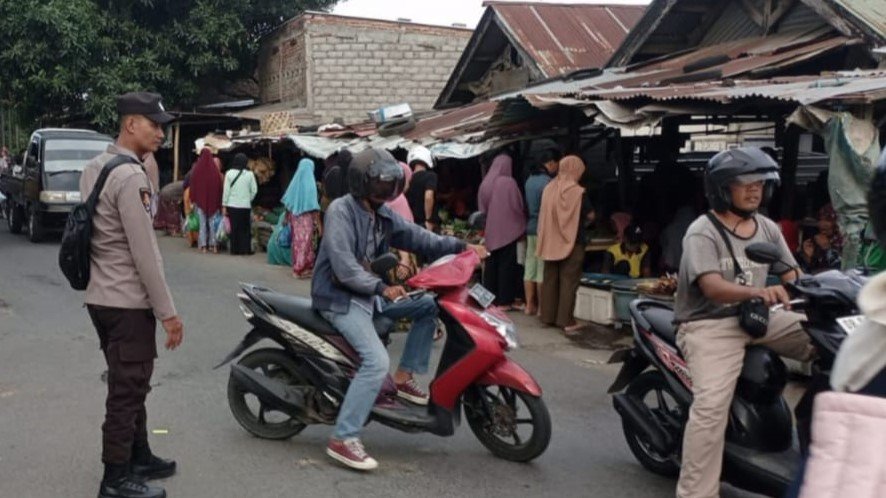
(240, 188)
(303, 212)
(205, 193)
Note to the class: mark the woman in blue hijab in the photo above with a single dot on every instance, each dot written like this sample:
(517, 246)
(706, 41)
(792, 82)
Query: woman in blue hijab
(303, 213)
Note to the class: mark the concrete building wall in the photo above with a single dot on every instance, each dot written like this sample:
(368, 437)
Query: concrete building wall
(341, 68)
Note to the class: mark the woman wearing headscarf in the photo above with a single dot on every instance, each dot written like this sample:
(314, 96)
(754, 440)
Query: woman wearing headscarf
(561, 226)
(303, 212)
(239, 191)
(500, 198)
(206, 197)
(400, 205)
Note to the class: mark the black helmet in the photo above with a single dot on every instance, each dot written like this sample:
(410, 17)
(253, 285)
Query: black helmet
(877, 201)
(376, 176)
(747, 164)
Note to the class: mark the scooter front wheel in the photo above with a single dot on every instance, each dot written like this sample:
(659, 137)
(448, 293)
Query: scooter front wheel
(249, 411)
(511, 424)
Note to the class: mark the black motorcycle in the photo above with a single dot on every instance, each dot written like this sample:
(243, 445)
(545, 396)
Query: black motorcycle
(762, 449)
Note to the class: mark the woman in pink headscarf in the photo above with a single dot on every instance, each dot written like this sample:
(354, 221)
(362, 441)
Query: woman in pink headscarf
(500, 198)
(400, 205)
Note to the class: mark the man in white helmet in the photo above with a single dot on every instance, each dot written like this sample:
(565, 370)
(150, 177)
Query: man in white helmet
(422, 193)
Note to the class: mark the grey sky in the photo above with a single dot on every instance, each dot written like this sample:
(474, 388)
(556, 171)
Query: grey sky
(441, 12)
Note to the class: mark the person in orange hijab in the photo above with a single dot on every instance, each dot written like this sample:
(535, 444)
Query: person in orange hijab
(565, 211)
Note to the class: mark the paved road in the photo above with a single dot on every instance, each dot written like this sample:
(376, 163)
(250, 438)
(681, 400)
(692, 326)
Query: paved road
(51, 404)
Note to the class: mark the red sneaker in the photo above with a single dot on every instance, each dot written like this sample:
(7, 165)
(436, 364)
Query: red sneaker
(351, 453)
(410, 391)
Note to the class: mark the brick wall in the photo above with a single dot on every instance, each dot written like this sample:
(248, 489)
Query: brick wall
(341, 68)
(282, 71)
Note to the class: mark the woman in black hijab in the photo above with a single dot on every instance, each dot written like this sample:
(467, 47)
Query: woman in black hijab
(335, 181)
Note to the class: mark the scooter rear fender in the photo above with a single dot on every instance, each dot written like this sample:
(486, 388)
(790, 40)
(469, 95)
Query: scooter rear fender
(252, 338)
(509, 374)
(634, 364)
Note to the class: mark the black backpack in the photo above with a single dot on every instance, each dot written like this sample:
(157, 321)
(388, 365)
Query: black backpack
(73, 257)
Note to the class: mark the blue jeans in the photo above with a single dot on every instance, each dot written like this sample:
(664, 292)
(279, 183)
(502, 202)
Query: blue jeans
(358, 328)
(423, 312)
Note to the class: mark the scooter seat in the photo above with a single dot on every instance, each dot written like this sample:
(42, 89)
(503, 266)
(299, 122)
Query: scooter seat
(662, 321)
(297, 310)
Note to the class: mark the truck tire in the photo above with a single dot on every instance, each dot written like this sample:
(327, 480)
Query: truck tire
(35, 226)
(14, 216)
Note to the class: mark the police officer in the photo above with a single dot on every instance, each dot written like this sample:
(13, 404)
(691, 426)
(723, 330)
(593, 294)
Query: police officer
(126, 296)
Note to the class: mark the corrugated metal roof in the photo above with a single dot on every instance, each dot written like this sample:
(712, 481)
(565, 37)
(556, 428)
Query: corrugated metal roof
(869, 12)
(563, 38)
(847, 87)
(751, 56)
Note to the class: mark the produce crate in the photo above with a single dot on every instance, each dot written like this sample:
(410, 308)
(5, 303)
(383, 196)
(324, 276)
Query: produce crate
(594, 305)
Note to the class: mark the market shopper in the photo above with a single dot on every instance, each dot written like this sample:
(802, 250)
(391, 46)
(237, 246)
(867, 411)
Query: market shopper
(360, 228)
(127, 294)
(422, 193)
(562, 225)
(206, 198)
(630, 257)
(239, 190)
(548, 163)
(335, 179)
(500, 199)
(303, 215)
(711, 284)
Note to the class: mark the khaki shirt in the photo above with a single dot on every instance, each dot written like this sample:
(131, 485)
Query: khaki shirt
(126, 268)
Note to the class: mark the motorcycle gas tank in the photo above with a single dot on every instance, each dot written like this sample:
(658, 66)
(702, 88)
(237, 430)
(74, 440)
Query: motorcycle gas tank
(760, 416)
(763, 376)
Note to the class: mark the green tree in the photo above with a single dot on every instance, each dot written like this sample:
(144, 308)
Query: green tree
(65, 60)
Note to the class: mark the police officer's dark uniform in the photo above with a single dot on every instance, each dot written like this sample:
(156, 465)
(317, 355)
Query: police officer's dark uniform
(127, 293)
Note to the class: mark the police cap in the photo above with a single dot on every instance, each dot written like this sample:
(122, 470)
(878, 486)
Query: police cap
(145, 104)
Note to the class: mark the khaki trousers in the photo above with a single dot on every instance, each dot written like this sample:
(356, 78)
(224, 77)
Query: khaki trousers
(714, 352)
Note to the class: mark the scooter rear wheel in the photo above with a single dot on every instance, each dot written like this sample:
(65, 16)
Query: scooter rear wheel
(249, 410)
(652, 389)
(496, 417)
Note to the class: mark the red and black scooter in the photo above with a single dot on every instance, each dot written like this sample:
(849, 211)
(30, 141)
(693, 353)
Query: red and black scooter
(276, 392)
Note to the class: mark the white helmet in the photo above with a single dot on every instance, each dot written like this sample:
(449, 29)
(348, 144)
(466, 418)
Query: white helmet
(420, 153)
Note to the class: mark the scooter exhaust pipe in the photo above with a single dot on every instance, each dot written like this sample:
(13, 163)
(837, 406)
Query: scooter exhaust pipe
(636, 414)
(273, 393)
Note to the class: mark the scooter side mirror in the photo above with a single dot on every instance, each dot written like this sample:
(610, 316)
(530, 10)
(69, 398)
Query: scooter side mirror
(477, 220)
(383, 264)
(765, 253)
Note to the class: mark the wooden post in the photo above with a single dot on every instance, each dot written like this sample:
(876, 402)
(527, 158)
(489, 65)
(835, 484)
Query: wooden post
(789, 165)
(175, 151)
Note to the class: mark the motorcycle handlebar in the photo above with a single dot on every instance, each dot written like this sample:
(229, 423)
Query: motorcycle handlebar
(780, 306)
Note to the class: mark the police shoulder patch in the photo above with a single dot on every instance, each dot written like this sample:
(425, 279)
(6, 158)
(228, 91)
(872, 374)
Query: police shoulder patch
(145, 195)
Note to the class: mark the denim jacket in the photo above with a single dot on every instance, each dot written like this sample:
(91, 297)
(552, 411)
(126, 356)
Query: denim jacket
(350, 243)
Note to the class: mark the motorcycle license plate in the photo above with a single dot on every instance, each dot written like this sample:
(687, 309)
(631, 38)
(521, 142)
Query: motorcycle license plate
(850, 323)
(482, 295)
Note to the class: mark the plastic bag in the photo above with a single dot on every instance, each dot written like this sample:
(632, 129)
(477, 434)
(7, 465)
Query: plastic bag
(193, 223)
(284, 239)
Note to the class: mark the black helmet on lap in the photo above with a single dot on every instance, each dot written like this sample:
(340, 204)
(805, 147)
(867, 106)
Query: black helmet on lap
(745, 165)
(877, 201)
(375, 175)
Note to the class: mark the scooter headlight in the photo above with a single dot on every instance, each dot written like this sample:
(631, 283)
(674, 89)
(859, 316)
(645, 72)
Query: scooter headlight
(505, 329)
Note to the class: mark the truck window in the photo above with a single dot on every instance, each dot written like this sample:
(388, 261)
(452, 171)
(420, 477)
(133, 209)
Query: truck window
(71, 154)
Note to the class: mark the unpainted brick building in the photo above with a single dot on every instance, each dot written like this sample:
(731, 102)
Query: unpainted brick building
(331, 67)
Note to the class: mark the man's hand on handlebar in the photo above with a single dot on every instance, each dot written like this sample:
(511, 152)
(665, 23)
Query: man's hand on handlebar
(774, 295)
(393, 292)
(479, 249)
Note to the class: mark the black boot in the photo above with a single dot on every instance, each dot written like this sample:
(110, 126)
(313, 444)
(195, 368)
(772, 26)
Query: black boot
(147, 466)
(117, 483)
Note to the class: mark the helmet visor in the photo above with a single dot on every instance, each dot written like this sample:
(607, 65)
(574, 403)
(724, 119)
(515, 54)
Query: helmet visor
(386, 187)
(750, 178)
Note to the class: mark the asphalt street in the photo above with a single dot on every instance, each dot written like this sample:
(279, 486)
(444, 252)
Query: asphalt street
(52, 397)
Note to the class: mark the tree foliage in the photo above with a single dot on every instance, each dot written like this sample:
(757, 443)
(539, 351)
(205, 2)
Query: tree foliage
(65, 60)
